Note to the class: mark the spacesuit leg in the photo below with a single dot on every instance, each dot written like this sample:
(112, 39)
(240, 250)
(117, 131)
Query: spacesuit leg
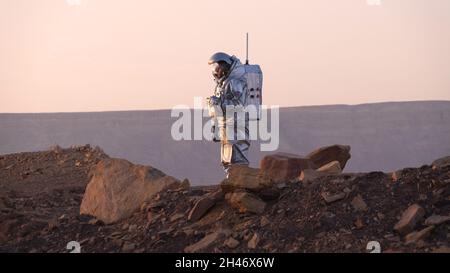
(226, 151)
(234, 153)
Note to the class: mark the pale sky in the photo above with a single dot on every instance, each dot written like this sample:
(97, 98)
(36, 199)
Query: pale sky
(105, 55)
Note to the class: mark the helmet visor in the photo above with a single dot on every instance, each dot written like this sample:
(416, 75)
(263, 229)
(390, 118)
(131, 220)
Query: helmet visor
(215, 67)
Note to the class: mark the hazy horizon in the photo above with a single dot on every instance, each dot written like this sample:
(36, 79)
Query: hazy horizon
(282, 107)
(104, 55)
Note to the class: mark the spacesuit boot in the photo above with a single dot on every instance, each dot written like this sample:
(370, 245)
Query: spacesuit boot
(234, 153)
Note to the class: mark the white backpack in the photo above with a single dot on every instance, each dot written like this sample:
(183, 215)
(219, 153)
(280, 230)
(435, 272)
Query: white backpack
(254, 78)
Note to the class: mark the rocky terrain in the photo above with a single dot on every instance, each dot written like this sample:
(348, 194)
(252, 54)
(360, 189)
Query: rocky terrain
(289, 204)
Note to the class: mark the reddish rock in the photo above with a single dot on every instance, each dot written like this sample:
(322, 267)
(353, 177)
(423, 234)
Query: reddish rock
(204, 243)
(231, 243)
(359, 223)
(244, 177)
(328, 154)
(118, 188)
(204, 204)
(264, 221)
(128, 247)
(436, 220)
(200, 208)
(333, 167)
(331, 198)
(246, 202)
(254, 241)
(416, 236)
(176, 217)
(359, 204)
(281, 167)
(409, 219)
(441, 249)
(309, 175)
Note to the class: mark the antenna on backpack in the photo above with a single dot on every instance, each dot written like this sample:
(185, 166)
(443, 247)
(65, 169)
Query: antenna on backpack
(246, 59)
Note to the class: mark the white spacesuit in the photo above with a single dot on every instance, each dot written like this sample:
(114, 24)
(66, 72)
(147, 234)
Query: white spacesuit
(230, 91)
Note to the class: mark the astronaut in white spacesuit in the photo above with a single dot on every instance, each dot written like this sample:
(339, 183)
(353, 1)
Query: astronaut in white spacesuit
(230, 91)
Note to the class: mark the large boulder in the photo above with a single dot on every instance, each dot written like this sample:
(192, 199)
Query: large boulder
(244, 177)
(325, 155)
(118, 188)
(281, 167)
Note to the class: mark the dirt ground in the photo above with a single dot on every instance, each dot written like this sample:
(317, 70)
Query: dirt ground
(41, 192)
